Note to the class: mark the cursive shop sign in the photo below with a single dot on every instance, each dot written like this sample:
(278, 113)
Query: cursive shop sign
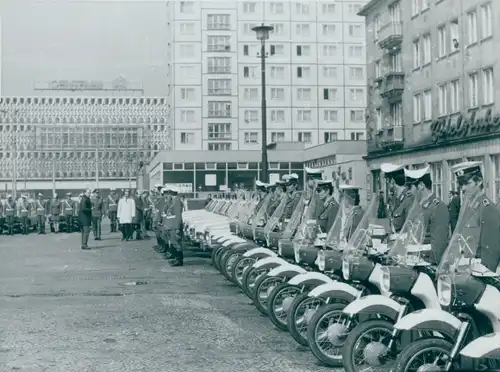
(447, 128)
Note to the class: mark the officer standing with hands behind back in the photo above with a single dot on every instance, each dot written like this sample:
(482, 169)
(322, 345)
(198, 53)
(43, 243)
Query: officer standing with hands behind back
(173, 224)
(96, 214)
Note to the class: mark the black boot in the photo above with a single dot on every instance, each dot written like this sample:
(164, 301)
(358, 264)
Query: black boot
(179, 259)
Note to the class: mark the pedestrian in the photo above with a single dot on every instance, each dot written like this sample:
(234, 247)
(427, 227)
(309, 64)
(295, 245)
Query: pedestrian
(454, 209)
(112, 208)
(85, 218)
(96, 201)
(41, 212)
(126, 214)
(173, 224)
(208, 199)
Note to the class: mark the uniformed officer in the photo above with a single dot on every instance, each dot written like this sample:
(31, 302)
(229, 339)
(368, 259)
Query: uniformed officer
(262, 192)
(294, 195)
(112, 209)
(145, 201)
(10, 214)
(436, 213)
(75, 220)
(23, 213)
(166, 245)
(54, 213)
(330, 206)
(67, 207)
(313, 176)
(395, 176)
(173, 225)
(157, 211)
(485, 221)
(96, 201)
(277, 192)
(139, 214)
(351, 210)
(41, 213)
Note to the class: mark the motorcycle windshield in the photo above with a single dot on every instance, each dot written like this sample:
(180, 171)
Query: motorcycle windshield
(363, 233)
(274, 220)
(259, 217)
(459, 257)
(232, 213)
(334, 235)
(304, 218)
(246, 209)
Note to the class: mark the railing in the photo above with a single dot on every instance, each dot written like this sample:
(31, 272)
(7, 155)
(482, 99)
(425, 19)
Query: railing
(390, 34)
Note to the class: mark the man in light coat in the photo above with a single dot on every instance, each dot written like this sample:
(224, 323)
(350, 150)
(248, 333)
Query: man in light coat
(126, 215)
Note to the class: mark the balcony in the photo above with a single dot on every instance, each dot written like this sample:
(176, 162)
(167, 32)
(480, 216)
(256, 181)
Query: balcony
(393, 86)
(392, 138)
(391, 35)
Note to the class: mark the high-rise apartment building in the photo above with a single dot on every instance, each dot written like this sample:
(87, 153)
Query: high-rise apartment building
(316, 77)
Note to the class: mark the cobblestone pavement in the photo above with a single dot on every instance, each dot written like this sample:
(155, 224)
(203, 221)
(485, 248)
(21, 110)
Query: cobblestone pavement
(68, 310)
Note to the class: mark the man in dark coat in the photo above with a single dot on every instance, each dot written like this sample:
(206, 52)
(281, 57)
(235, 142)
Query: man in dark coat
(85, 218)
(454, 208)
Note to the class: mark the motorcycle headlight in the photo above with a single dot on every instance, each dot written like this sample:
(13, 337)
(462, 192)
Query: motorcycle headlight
(237, 229)
(296, 252)
(444, 290)
(346, 269)
(321, 260)
(385, 282)
(280, 248)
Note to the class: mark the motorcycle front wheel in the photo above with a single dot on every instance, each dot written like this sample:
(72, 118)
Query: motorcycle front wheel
(220, 256)
(279, 302)
(250, 276)
(215, 253)
(428, 354)
(240, 266)
(263, 287)
(227, 263)
(300, 314)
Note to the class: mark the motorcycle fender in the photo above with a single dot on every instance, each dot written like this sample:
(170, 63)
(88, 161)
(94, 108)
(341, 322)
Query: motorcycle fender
(310, 278)
(287, 270)
(260, 252)
(266, 262)
(487, 346)
(338, 290)
(436, 320)
(377, 304)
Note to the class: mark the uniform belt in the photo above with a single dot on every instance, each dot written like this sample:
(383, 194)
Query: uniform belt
(169, 217)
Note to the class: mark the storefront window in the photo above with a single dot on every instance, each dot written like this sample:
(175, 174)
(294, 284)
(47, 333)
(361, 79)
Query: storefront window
(496, 167)
(437, 179)
(452, 178)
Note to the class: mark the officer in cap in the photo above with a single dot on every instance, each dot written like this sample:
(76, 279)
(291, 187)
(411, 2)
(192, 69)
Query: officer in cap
(10, 213)
(164, 212)
(395, 176)
(351, 210)
(294, 195)
(329, 206)
(485, 219)
(262, 191)
(41, 213)
(312, 177)
(436, 214)
(67, 207)
(55, 213)
(173, 226)
(111, 207)
(96, 200)
(23, 213)
(277, 194)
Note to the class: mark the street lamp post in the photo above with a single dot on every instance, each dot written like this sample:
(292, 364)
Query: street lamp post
(262, 32)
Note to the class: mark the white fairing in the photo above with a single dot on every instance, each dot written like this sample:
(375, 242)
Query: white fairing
(412, 320)
(362, 303)
(231, 241)
(376, 278)
(268, 260)
(302, 278)
(425, 290)
(487, 346)
(488, 305)
(278, 271)
(260, 250)
(334, 286)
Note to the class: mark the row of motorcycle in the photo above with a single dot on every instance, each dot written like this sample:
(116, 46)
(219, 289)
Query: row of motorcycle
(356, 296)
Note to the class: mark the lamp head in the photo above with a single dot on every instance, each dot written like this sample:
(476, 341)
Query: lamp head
(262, 31)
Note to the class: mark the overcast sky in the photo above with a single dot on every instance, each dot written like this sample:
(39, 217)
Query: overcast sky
(44, 40)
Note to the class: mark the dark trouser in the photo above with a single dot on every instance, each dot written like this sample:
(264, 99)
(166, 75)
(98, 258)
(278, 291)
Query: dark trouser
(69, 223)
(127, 230)
(9, 221)
(112, 219)
(175, 238)
(138, 229)
(40, 221)
(54, 223)
(24, 225)
(85, 235)
(96, 227)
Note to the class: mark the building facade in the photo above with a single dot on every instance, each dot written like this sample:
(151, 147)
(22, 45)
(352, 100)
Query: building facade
(316, 78)
(433, 97)
(75, 142)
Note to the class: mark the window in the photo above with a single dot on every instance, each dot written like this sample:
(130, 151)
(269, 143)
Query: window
(397, 61)
(488, 90)
(354, 8)
(219, 87)
(454, 35)
(249, 7)
(304, 94)
(473, 90)
(277, 136)
(330, 72)
(486, 21)
(277, 72)
(415, 7)
(302, 8)
(416, 53)
(187, 94)
(218, 22)
(376, 27)
(219, 43)
(331, 116)
(219, 65)
(426, 49)
(251, 137)
(330, 136)
(357, 116)
(219, 146)
(303, 72)
(417, 108)
(357, 136)
(303, 29)
(251, 94)
(251, 116)
(187, 7)
(356, 94)
(188, 116)
(330, 94)
(443, 99)
(472, 27)
(303, 50)
(355, 31)
(186, 50)
(186, 28)
(245, 50)
(427, 105)
(278, 28)
(395, 12)
(357, 73)
(278, 116)
(442, 37)
(378, 120)
(250, 71)
(378, 69)
(328, 30)
(304, 115)
(276, 8)
(355, 51)
(396, 115)
(328, 8)
(329, 50)
(187, 138)
(437, 179)
(277, 49)
(454, 96)
(305, 137)
(277, 93)
(219, 109)
(219, 131)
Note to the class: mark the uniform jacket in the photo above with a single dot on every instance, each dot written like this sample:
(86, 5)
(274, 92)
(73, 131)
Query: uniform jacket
(139, 208)
(111, 203)
(55, 207)
(9, 205)
(454, 209)
(405, 202)
(437, 220)
(67, 207)
(85, 211)
(291, 204)
(353, 220)
(159, 205)
(271, 207)
(173, 218)
(96, 206)
(328, 214)
(23, 207)
(126, 210)
(42, 207)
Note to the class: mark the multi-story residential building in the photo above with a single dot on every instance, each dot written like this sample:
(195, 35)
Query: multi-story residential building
(432, 93)
(316, 78)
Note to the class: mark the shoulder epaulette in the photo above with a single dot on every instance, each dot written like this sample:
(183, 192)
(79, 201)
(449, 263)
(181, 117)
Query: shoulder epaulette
(436, 201)
(486, 202)
(408, 193)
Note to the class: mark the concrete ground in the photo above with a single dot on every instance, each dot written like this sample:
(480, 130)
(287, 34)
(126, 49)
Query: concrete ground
(68, 310)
